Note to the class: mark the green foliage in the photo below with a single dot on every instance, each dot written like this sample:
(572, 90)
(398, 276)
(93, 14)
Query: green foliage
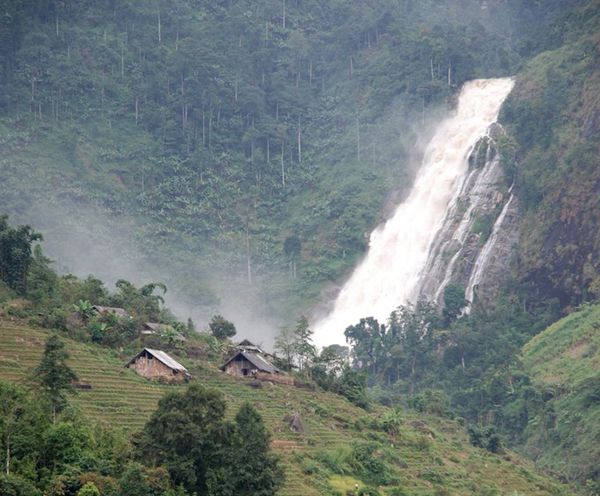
(553, 146)
(431, 401)
(485, 437)
(454, 302)
(483, 226)
(12, 485)
(121, 400)
(53, 374)
(303, 346)
(223, 151)
(250, 469)
(141, 302)
(368, 464)
(85, 309)
(188, 436)
(15, 254)
(392, 421)
(285, 343)
(368, 491)
(64, 445)
(89, 489)
(560, 402)
(221, 328)
(352, 385)
(138, 480)
(329, 365)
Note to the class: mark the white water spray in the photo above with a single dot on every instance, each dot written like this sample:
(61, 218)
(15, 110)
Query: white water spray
(398, 248)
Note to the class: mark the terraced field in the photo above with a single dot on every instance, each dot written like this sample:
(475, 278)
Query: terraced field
(118, 396)
(428, 455)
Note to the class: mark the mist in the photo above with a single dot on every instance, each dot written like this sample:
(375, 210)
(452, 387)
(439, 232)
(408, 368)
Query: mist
(83, 239)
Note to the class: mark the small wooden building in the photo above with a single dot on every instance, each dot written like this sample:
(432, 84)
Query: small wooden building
(116, 311)
(151, 328)
(249, 364)
(154, 364)
(246, 345)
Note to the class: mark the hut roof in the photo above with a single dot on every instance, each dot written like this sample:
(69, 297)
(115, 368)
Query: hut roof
(155, 326)
(162, 357)
(255, 359)
(246, 345)
(119, 312)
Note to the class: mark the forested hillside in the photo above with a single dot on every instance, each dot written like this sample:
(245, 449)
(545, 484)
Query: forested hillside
(384, 451)
(554, 120)
(240, 151)
(564, 415)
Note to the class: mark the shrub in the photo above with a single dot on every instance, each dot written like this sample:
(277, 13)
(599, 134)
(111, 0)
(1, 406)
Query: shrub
(11, 485)
(368, 491)
(485, 437)
(368, 465)
(89, 489)
(431, 401)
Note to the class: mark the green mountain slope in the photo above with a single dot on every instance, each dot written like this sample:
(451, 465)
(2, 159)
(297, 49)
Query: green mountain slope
(564, 362)
(553, 115)
(193, 138)
(427, 455)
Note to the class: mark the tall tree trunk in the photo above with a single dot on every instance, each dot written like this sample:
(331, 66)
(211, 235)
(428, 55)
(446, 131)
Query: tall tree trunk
(248, 263)
(122, 61)
(282, 165)
(299, 142)
(7, 453)
(210, 128)
(357, 138)
(159, 30)
(268, 149)
(252, 143)
(283, 17)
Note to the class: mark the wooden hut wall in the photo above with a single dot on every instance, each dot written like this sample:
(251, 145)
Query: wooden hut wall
(239, 365)
(148, 366)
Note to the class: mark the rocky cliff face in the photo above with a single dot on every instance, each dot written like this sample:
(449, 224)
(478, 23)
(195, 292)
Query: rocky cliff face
(474, 245)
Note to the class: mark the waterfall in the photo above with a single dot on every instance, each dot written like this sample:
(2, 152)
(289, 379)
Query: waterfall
(485, 253)
(391, 273)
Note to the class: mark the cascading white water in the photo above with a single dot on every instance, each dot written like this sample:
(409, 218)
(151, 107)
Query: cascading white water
(398, 248)
(484, 255)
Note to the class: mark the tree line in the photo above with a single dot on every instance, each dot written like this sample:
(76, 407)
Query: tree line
(186, 448)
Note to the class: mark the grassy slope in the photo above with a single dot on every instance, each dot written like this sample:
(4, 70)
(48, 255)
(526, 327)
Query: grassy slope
(565, 361)
(427, 455)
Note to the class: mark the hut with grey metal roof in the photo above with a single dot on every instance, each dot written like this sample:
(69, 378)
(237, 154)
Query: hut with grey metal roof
(249, 364)
(154, 364)
(121, 313)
